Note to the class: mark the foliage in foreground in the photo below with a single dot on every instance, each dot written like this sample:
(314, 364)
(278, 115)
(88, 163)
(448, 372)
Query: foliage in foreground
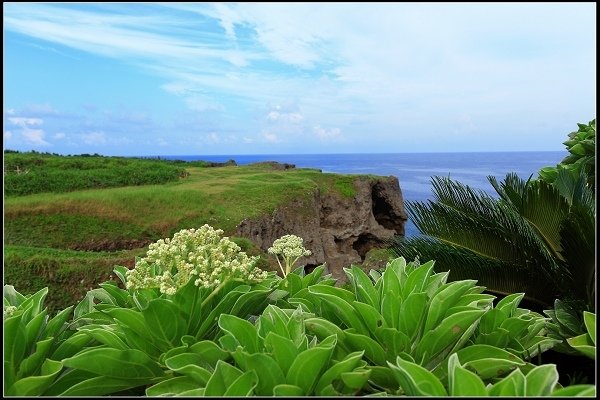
(405, 331)
(581, 146)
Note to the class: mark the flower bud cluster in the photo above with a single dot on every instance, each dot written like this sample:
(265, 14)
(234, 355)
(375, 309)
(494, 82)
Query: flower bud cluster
(199, 254)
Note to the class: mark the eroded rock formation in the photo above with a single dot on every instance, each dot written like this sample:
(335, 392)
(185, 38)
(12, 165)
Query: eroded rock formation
(338, 230)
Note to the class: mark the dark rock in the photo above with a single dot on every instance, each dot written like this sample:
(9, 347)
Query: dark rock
(274, 165)
(338, 230)
(227, 163)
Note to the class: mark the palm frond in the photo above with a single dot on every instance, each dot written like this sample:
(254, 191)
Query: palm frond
(575, 189)
(578, 242)
(539, 202)
(475, 221)
(497, 276)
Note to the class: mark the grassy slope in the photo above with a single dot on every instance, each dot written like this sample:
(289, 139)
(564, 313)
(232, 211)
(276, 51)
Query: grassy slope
(41, 230)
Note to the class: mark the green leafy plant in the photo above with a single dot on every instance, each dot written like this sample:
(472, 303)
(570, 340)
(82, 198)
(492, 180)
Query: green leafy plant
(411, 312)
(581, 146)
(463, 380)
(586, 343)
(34, 343)
(163, 308)
(273, 357)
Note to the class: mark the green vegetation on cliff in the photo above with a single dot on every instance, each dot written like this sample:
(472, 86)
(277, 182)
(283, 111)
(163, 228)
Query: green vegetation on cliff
(61, 228)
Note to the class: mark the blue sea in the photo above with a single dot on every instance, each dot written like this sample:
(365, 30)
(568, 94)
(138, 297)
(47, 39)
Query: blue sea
(414, 170)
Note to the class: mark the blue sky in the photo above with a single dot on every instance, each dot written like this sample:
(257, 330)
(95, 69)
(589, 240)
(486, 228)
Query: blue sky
(277, 78)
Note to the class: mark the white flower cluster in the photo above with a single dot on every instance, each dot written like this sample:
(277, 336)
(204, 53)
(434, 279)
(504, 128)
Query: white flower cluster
(8, 311)
(170, 263)
(290, 248)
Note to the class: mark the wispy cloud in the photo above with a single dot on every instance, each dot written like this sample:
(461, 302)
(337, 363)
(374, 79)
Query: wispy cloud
(327, 134)
(28, 130)
(399, 68)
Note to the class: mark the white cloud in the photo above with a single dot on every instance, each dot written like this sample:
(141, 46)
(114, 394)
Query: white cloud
(34, 136)
(270, 137)
(94, 138)
(327, 134)
(25, 122)
(59, 135)
(44, 110)
(8, 135)
(394, 64)
(10, 111)
(28, 130)
(248, 140)
(213, 137)
(292, 117)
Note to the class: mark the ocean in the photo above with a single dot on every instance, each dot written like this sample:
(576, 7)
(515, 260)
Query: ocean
(414, 170)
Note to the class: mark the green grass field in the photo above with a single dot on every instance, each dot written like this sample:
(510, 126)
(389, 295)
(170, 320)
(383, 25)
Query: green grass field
(59, 239)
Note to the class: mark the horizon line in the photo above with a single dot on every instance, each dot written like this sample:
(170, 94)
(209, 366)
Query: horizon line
(291, 154)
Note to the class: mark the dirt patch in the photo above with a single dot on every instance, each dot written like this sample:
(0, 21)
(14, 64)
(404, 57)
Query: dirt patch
(111, 245)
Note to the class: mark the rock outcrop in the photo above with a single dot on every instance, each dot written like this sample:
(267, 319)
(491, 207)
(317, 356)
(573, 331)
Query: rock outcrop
(338, 230)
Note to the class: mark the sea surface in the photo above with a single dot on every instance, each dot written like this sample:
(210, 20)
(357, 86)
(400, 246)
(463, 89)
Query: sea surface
(414, 170)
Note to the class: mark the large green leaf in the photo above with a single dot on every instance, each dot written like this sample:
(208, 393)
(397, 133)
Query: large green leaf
(14, 347)
(462, 382)
(243, 331)
(370, 316)
(576, 391)
(337, 368)
(71, 346)
(103, 385)
(209, 351)
(584, 345)
(105, 336)
(33, 328)
(356, 380)
(191, 365)
(31, 364)
(445, 334)
(417, 279)
(393, 342)
(363, 286)
(373, 350)
(164, 321)
(590, 323)
(283, 349)
(221, 379)
(416, 380)
(337, 301)
(444, 299)
(212, 312)
(266, 368)
(67, 379)
(487, 361)
(122, 364)
(512, 385)
(243, 386)
(58, 323)
(309, 365)
(412, 315)
(287, 390)
(541, 380)
(173, 386)
(36, 385)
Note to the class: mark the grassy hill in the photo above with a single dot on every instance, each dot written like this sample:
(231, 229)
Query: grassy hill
(69, 238)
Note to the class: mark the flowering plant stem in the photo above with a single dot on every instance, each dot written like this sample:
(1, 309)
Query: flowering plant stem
(217, 290)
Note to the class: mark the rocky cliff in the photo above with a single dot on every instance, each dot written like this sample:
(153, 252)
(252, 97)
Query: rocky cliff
(338, 230)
